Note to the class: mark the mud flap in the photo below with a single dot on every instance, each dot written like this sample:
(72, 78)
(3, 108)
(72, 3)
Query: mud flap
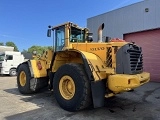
(38, 83)
(51, 76)
(98, 93)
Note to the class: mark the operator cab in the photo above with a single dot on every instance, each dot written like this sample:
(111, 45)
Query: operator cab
(67, 33)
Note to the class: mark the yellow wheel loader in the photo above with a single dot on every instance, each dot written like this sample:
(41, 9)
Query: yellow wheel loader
(82, 72)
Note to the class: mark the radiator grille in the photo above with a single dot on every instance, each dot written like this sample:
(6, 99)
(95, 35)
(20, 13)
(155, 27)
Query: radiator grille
(129, 59)
(136, 59)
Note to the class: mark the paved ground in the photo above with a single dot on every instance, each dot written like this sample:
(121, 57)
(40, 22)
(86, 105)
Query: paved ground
(142, 104)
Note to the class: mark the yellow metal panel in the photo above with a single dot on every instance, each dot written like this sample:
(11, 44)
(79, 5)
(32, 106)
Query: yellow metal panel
(96, 48)
(48, 57)
(122, 82)
(64, 57)
(38, 73)
(98, 68)
(117, 43)
(100, 49)
(80, 46)
(96, 65)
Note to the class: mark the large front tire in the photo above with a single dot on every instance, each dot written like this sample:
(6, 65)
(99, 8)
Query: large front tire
(23, 79)
(71, 87)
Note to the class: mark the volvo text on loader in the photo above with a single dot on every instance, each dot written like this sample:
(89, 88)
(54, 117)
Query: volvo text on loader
(82, 72)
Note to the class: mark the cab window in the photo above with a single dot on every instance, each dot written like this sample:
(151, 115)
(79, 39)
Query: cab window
(9, 57)
(2, 57)
(77, 35)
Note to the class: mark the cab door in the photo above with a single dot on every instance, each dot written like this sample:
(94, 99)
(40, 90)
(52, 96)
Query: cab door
(9, 62)
(59, 38)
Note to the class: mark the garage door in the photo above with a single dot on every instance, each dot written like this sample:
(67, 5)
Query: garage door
(150, 43)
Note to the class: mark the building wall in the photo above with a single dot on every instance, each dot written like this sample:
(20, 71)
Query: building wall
(128, 19)
(150, 43)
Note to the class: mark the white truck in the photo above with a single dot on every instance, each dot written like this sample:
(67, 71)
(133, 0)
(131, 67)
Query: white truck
(9, 60)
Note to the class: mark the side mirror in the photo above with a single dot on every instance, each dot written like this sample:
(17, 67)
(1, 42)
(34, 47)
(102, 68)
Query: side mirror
(89, 37)
(6, 58)
(49, 33)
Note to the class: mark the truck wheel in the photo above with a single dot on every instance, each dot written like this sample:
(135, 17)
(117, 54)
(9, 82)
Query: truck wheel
(71, 87)
(23, 79)
(12, 72)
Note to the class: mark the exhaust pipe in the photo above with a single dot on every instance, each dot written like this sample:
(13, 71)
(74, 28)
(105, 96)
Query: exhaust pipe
(100, 29)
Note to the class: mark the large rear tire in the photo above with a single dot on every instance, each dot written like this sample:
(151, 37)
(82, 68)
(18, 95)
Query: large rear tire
(71, 87)
(23, 79)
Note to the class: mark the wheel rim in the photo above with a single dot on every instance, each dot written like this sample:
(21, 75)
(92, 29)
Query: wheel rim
(67, 87)
(22, 78)
(13, 72)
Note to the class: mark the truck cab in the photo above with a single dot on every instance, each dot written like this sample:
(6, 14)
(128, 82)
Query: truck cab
(9, 60)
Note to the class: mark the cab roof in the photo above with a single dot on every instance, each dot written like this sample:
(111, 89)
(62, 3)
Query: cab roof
(69, 24)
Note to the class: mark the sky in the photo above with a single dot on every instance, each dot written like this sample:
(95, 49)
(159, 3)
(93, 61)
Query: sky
(25, 22)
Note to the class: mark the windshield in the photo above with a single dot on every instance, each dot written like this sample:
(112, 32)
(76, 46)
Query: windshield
(77, 35)
(2, 57)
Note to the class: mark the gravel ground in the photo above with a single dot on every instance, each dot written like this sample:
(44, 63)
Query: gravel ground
(141, 104)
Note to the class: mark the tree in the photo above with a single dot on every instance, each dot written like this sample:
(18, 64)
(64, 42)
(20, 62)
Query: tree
(39, 49)
(12, 45)
(50, 47)
(1, 44)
